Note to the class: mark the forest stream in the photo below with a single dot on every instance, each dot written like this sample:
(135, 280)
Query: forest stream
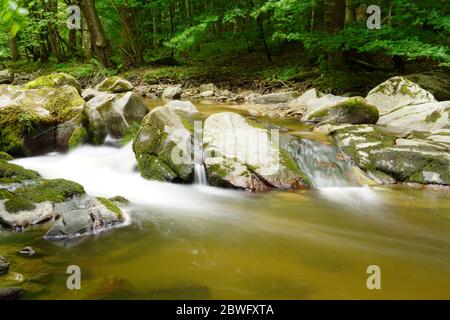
(194, 241)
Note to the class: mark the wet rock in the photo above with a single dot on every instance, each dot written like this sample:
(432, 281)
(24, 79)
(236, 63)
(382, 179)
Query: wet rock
(112, 114)
(37, 121)
(239, 154)
(89, 94)
(54, 80)
(398, 92)
(278, 97)
(6, 76)
(353, 110)
(27, 200)
(410, 158)
(81, 217)
(172, 92)
(114, 84)
(163, 144)
(27, 251)
(11, 293)
(426, 116)
(4, 265)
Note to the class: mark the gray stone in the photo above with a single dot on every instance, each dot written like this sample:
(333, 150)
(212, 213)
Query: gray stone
(11, 293)
(4, 265)
(279, 97)
(114, 84)
(398, 92)
(172, 92)
(78, 218)
(6, 76)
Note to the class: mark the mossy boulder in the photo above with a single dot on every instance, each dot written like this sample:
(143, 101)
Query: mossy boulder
(54, 80)
(78, 218)
(163, 144)
(241, 153)
(26, 199)
(398, 92)
(37, 121)
(354, 110)
(6, 76)
(5, 156)
(113, 114)
(426, 116)
(413, 157)
(114, 84)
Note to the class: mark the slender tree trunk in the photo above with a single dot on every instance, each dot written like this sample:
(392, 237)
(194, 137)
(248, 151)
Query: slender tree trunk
(12, 42)
(260, 22)
(99, 41)
(86, 42)
(51, 6)
(133, 50)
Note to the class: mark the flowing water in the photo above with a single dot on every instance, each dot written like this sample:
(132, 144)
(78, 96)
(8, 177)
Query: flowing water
(200, 242)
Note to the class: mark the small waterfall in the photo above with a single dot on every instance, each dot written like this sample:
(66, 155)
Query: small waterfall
(325, 166)
(200, 176)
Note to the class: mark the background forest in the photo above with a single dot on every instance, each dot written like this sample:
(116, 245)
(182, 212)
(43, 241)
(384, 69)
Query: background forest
(281, 40)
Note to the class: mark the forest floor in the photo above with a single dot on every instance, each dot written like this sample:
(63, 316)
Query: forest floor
(291, 68)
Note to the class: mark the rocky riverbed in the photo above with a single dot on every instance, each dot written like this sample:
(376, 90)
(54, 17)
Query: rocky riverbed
(398, 133)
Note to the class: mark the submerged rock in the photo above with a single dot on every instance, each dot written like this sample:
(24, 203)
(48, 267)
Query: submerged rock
(37, 121)
(426, 116)
(4, 265)
(27, 251)
(11, 293)
(163, 144)
(398, 92)
(240, 153)
(79, 218)
(54, 80)
(114, 84)
(410, 158)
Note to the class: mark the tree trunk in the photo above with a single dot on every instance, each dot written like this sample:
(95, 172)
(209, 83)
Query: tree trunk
(51, 6)
(13, 47)
(99, 41)
(133, 50)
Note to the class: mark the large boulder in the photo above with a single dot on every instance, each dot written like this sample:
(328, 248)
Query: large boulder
(54, 80)
(398, 92)
(78, 218)
(37, 121)
(113, 113)
(6, 76)
(114, 85)
(354, 110)
(26, 199)
(163, 144)
(426, 116)
(435, 81)
(413, 157)
(241, 153)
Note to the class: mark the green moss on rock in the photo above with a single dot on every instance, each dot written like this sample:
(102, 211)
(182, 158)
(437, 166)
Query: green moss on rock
(5, 156)
(14, 203)
(111, 207)
(10, 172)
(57, 190)
(79, 136)
(54, 80)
